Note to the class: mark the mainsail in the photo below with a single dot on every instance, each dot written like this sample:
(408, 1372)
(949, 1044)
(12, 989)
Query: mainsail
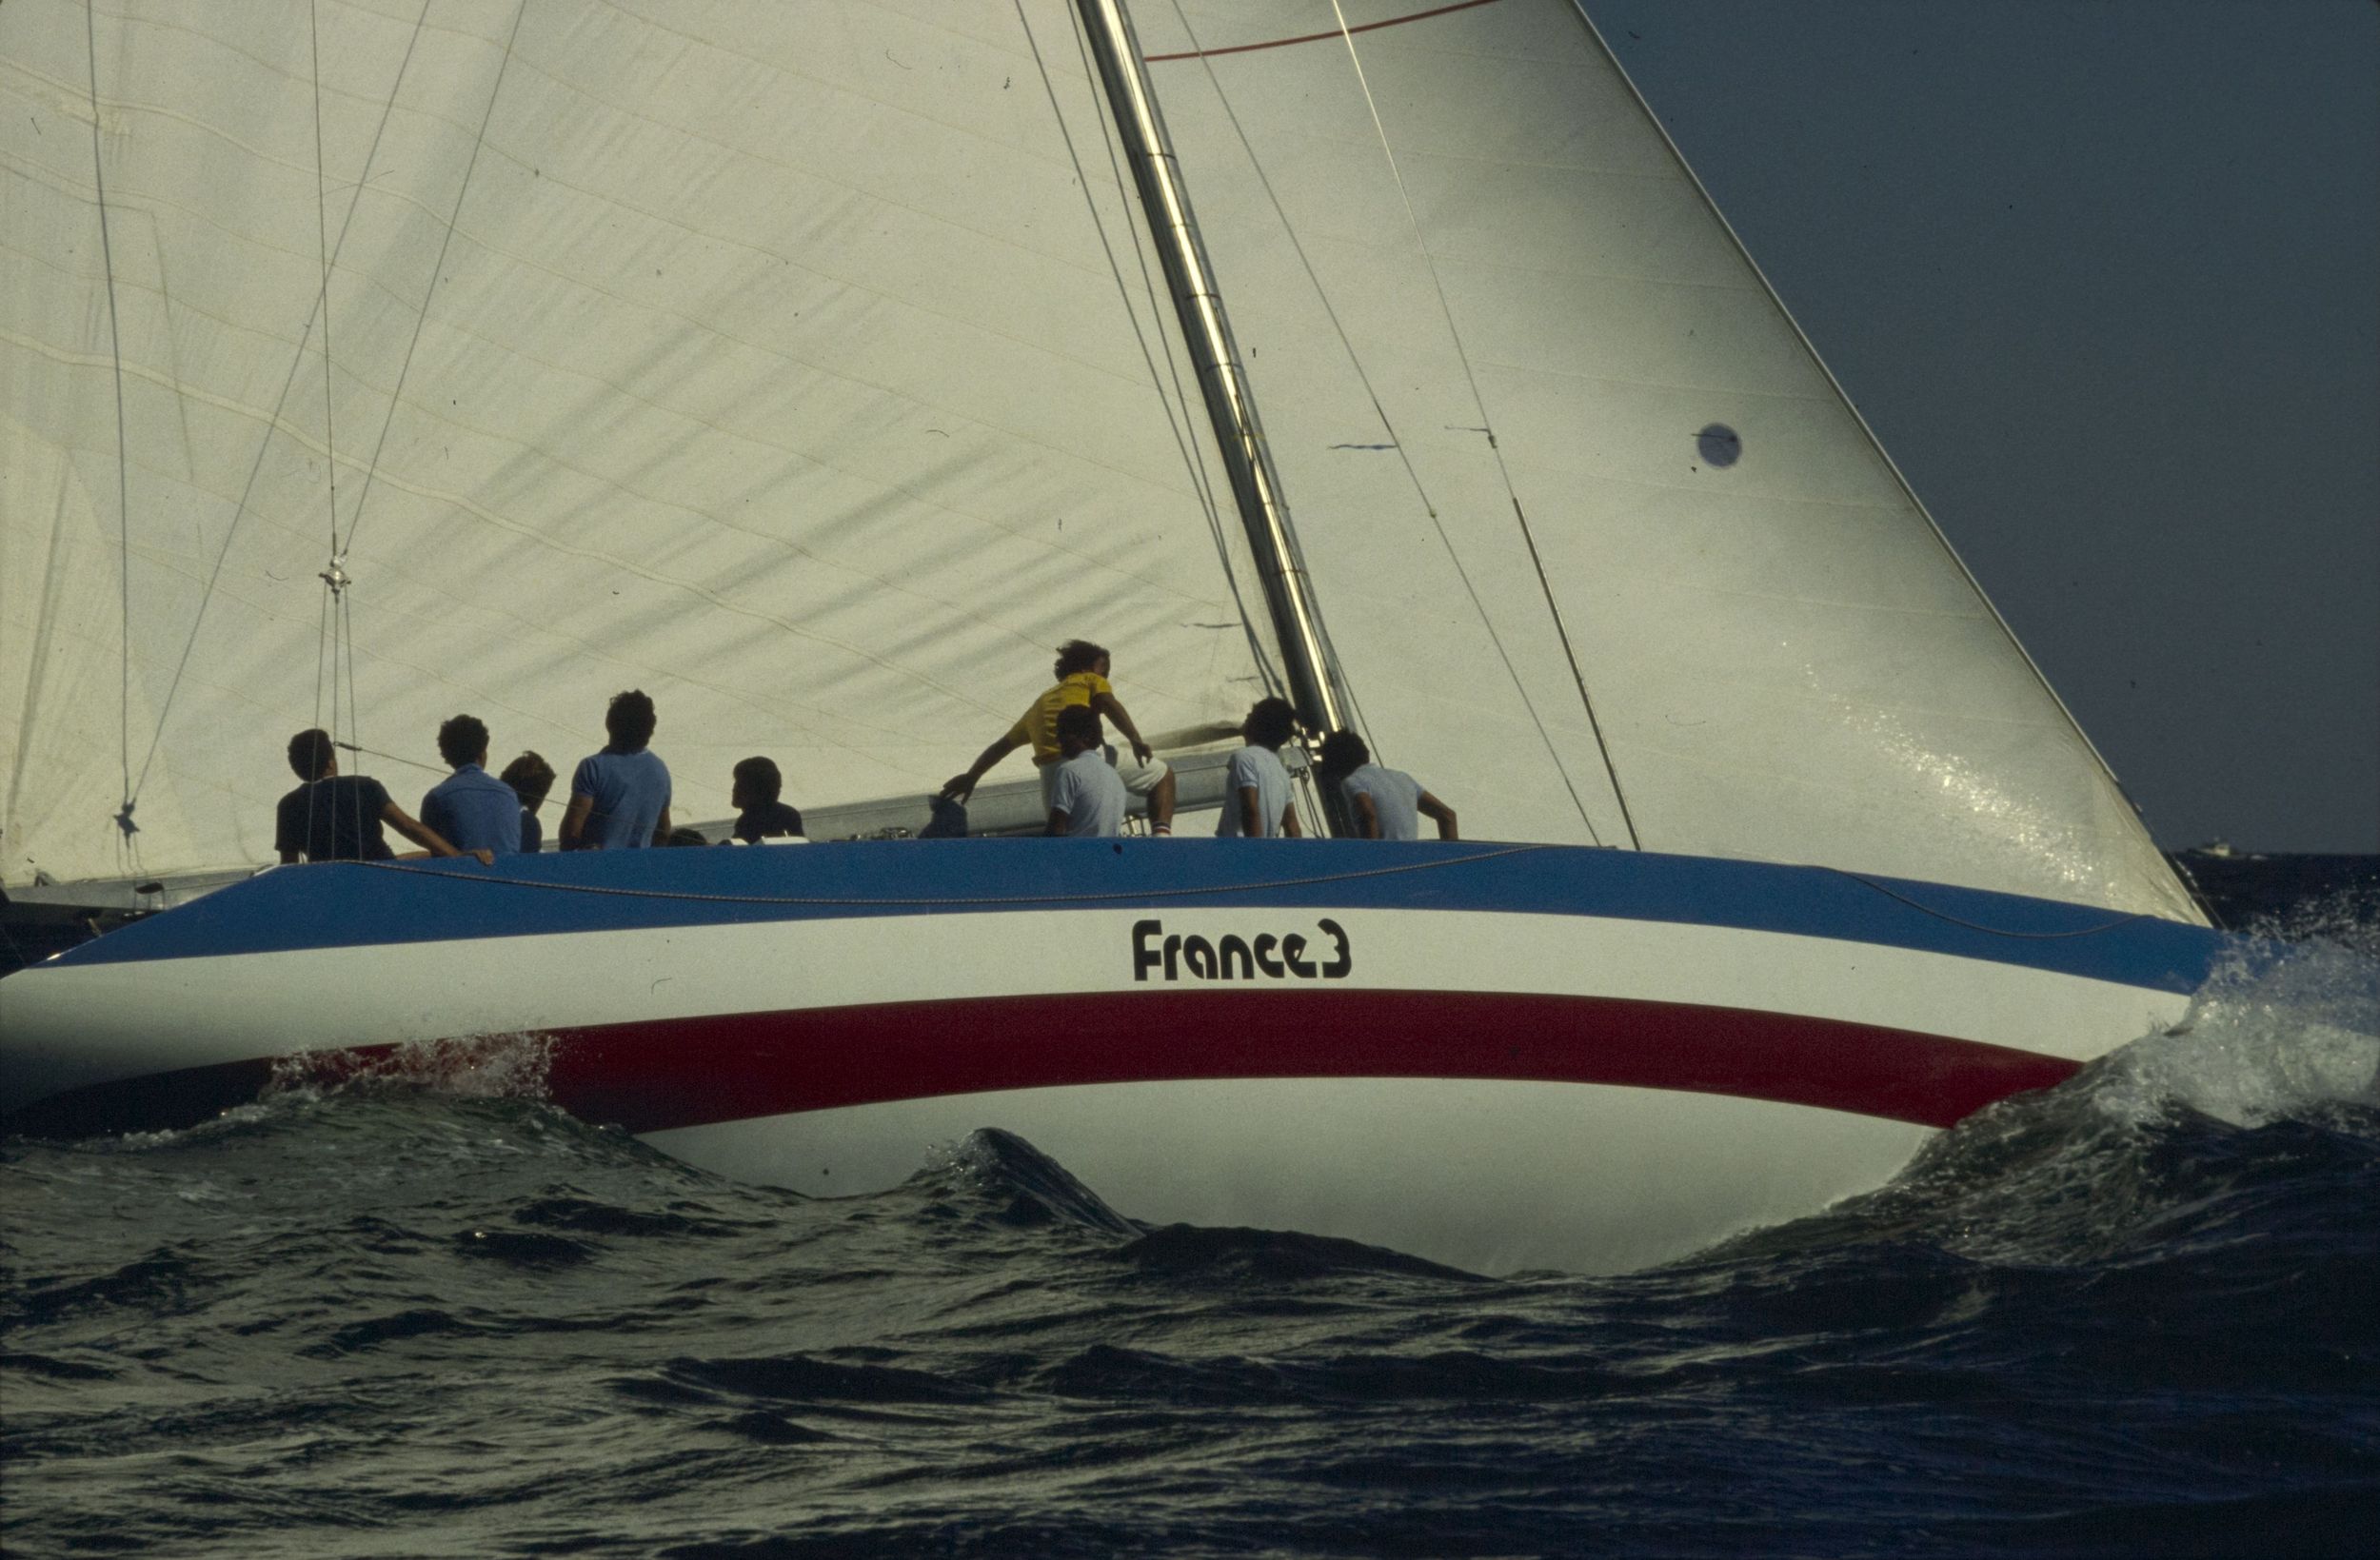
(1607, 552)
(801, 364)
(793, 363)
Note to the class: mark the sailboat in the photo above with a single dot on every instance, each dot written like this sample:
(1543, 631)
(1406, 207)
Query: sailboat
(817, 368)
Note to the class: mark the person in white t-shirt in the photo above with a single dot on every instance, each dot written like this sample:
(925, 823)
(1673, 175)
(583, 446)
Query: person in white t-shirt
(1087, 795)
(1257, 799)
(1387, 803)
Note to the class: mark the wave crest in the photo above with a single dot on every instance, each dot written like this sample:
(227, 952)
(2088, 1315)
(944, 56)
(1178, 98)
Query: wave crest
(2282, 1031)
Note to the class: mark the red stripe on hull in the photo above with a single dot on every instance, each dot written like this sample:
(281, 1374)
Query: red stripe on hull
(654, 1075)
(695, 1072)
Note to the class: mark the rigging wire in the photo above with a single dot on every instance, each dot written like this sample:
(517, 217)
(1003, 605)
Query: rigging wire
(439, 770)
(397, 395)
(1396, 440)
(264, 443)
(124, 480)
(323, 641)
(1479, 402)
(322, 250)
(331, 593)
(355, 709)
(1185, 440)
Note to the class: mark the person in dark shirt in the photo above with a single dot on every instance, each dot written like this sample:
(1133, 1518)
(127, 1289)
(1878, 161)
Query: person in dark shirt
(338, 818)
(759, 813)
(532, 780)
(471, 808)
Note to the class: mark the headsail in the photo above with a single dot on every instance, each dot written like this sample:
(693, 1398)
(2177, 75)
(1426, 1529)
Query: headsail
(1606, 550)
(771, 358)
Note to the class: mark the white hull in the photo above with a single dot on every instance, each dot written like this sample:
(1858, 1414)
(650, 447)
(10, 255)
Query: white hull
(1492, 1057)
(1484, 1175)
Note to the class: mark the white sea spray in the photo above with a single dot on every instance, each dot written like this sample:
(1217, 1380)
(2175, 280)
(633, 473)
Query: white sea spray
(2281, 1031)
(498, 1066)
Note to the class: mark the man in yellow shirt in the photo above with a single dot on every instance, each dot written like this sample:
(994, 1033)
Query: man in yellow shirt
(1082, 673)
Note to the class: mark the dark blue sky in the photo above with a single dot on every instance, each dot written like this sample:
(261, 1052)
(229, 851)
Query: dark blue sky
(2104, 275)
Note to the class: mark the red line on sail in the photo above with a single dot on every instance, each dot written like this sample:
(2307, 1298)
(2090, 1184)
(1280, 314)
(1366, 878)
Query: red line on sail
(1314, 37)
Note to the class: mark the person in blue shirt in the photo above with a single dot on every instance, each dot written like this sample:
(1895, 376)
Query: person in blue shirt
(471, 807)
(620, 797)
(532, 780)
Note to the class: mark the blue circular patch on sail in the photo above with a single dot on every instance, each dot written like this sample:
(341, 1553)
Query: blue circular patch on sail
(1720, 444)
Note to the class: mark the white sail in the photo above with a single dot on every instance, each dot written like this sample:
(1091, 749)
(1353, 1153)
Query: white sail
(798, 364)
(1469, 219)
(769, 357)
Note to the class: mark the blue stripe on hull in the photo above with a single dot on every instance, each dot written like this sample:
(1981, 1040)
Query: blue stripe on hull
(345, 905)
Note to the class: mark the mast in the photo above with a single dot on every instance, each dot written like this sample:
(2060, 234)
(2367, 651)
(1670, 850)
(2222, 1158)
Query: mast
(1255, 485)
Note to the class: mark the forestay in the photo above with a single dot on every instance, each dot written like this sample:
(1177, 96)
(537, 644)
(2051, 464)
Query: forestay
(1785, 659)
(769, 357)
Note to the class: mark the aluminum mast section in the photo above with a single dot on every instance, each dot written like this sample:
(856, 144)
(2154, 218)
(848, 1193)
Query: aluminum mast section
(1254, 483)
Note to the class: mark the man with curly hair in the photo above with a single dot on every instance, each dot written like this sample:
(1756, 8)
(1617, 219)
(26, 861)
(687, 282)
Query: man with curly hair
(1082, 671)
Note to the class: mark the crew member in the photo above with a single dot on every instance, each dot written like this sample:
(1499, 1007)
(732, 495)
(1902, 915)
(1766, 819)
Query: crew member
(338, 818)
(471, 807)
(1087, 795)
(759, 812)
(620, 797)
(532, 780)
(1257, 800)
(1082, 670)
(1387, 803)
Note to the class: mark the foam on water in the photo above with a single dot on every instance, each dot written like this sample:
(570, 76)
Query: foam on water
(496, 1066)
(2282, 1031)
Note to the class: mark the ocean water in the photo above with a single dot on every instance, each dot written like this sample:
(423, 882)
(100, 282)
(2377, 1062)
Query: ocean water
(430, 1314)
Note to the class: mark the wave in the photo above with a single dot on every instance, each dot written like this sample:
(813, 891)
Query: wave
(2281, 1031)
(2267, 1091)
(999, 1178)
